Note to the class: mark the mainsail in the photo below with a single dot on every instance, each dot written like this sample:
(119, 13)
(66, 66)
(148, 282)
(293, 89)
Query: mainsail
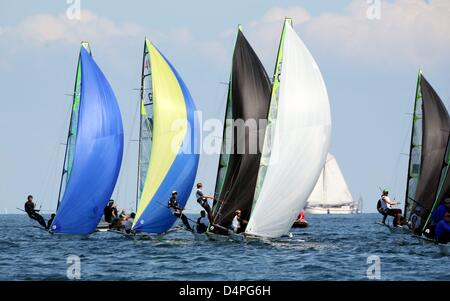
(415, 150)
(299, 139)
(331, 190)
(145, 121)
(174, 138)
(94, 150)
(435, 132)
(247, 104)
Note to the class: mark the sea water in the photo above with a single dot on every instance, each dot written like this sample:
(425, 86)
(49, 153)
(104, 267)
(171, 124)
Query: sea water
(333, 247)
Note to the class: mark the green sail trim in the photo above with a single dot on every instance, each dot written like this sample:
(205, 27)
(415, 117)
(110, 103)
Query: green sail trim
(73, 127)
(415, 152)
(74, 122)
(272, 116)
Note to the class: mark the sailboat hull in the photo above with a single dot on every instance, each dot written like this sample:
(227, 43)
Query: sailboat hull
(329, 210)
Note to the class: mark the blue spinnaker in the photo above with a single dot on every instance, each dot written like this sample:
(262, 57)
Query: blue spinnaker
(97, 154)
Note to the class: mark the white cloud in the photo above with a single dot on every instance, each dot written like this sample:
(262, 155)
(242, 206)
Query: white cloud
(42, 29)
(408, 32)
(414, 32)
(264, 33)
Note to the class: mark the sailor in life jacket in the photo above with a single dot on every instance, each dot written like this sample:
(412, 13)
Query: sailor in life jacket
(386, 209)
(202, 200)
(238, 224)
(416, 220)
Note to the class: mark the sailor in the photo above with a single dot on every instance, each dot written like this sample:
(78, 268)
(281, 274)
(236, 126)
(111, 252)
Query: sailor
(386, 206)
(203, 201)
(129, 222)
(301, 216)
(238, 222)
(443, 230)
(416, 220)
(50, 221)
(109, 212)
(116, 224)
(201, 226)
(177, 210)
(33, 213)
(440, 212)
(437, 215)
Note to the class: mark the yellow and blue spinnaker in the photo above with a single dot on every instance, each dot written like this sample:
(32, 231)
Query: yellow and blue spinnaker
(174, 155)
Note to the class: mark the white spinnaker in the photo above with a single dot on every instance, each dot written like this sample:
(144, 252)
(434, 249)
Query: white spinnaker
(331, 186)
(300, 143)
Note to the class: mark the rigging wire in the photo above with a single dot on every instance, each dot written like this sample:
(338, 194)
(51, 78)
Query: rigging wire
(48, 182)
(125, 169)
(395, 172)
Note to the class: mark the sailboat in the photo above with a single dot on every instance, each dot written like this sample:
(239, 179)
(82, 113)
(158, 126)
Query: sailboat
(429, 139)
(248, 99)
(331, 194)
(168, 143)
(428, 180)
(94, 151)
(296, 140)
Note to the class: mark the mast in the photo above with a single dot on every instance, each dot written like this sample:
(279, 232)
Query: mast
(75, 97)
(141, 101)
(145, 122)
(411, 144)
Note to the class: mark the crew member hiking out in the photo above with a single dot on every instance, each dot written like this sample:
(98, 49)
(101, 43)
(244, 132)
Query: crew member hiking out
(203, 201)
(33, 213)
(386, 204)
(178, 211)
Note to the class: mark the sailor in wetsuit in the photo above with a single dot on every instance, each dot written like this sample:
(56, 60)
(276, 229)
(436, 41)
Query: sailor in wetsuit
(177, 210)
(50, 221)
(203, 201)
(33, 213)
(201, 226)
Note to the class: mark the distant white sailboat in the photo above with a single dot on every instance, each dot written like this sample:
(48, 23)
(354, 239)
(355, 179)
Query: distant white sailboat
(331, 194)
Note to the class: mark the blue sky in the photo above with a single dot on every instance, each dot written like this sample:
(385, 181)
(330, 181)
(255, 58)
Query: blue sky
(369, 67)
